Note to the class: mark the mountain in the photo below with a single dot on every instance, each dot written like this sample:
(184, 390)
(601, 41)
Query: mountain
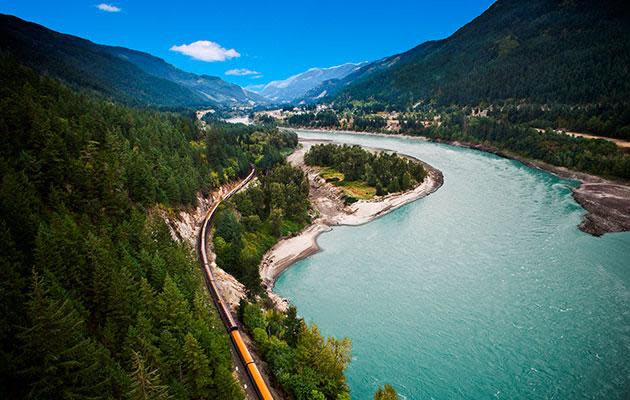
(297, 86)
(568, 52)
(126, 75)
(209, 87)
(328, 88)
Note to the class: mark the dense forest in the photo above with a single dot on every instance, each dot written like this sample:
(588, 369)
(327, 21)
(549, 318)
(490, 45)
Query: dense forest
(510, 127)
(329, 119)
(600, 157)
(254, 219)
(121, 74)
(97, 299)
(388, 173)
(322, 119)
(598, 119)
(307, 366)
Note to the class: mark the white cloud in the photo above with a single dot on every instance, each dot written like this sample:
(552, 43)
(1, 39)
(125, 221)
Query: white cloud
(206, 50)
(108, 8)
(241, 72)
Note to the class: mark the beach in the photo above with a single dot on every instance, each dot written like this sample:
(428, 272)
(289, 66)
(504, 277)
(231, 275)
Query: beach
(606, 200)
(327, 200)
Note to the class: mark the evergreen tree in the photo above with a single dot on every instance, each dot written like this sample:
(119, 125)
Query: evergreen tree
(58, 359)
(145, 383)
(197, 372)
(387, 392)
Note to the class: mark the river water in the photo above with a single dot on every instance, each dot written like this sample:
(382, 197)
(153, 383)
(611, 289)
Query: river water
(485, 289)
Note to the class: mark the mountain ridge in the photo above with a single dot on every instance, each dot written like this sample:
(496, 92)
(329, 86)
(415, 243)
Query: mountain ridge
(123, 74)
(298, 85)
(542, 50)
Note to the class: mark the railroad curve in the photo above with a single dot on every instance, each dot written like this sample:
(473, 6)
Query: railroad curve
(261, 388)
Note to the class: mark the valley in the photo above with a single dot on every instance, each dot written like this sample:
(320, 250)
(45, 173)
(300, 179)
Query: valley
(232, 201)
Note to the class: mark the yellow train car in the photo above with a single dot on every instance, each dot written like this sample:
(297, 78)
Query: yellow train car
(259, 382)
(240, 346)
(252, 370)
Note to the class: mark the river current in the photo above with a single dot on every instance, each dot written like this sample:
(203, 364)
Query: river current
(485, 289)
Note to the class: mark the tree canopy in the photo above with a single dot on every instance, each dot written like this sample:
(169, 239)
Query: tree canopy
(98, 300)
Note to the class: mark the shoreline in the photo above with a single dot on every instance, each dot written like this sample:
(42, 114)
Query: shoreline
(606, 201)
(327, 200)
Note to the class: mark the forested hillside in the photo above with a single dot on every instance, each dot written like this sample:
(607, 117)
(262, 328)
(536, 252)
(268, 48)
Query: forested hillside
(210, 88)
(97, 299)
(567, 57)
(118, 73)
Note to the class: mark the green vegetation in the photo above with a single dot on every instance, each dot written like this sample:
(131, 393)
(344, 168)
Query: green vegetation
(373, 123)
(353, 190)
(599, 157)
(322, 119)
(357, 120)
(97, 299)
(387, 392)
(125, 75)
(363, 174)
(510, 128)
(610, 120)
(249, 224)
(254, 219)
(568, 57)
(331, 175)
(307, 366)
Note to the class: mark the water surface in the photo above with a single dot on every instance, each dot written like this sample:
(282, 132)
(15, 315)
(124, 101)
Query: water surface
(485, 289)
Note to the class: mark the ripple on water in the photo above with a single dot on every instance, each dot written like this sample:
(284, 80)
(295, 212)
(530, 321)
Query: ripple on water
(484, 289)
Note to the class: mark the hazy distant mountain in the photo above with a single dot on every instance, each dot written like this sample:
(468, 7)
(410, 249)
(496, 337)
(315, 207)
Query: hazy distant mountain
(122, 74)
(209, 87)
(297, 86)
(570, 52)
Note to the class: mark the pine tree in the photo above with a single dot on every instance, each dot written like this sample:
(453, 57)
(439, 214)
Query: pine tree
(145, 382)
(294, 326)
(173, 309)
(197, 375)
(276, 221)
(61, 361)
(387, 392)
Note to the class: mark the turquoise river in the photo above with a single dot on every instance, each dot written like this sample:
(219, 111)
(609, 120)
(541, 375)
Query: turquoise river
(485, 289)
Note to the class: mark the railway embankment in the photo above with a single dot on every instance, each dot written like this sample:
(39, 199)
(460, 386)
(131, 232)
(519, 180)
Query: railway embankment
(184, 227)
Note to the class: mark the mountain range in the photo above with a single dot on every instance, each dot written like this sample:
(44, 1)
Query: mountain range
(569, 52)
(131, 76)
(297, 86)
(544, 51)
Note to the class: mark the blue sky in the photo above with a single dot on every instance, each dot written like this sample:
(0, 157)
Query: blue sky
(275, 39)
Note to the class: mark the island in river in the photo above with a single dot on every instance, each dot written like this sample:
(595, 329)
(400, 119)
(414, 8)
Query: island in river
(488, 282)
(327, 200)
(606, 200)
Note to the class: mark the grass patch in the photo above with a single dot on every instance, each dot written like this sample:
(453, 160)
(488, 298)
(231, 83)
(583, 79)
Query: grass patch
(357, 189)
(353, 190)
(331, 175)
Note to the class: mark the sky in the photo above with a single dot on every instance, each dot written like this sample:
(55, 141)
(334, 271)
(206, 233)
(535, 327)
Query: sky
(254, 42)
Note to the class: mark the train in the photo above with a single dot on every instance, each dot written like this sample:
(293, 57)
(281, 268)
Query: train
(260, 386)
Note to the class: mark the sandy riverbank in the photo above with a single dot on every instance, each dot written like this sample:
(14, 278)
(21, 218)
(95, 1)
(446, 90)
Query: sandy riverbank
(606, 201)
(327, 200)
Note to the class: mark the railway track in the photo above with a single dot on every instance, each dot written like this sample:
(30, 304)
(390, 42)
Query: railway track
(258, 383)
